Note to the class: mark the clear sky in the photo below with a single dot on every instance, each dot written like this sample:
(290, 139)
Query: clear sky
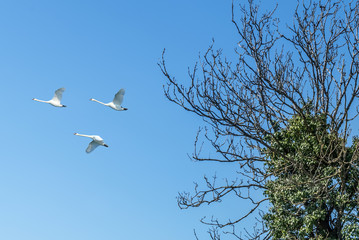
(50, 188)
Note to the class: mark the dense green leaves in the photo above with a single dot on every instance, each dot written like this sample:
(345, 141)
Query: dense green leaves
(313, 186)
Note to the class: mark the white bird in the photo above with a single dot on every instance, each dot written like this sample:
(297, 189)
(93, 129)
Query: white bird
(117, 101)
(96, 141)
(56, 100)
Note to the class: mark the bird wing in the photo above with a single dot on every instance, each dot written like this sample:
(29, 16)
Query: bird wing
(117, 100)
(58, 94)
(92, 145)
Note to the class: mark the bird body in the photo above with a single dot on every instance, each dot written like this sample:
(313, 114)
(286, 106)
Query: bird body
(96, 141)
(56, 100)
(116, 103)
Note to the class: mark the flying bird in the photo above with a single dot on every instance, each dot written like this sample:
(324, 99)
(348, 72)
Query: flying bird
(96, 141)
(56, 100)
(117, 101)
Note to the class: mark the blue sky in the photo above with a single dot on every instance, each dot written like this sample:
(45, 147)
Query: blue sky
(50, 188)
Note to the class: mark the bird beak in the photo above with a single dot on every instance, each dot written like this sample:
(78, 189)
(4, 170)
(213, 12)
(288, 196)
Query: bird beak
(64, 106)
(125, 109)
(105, 145)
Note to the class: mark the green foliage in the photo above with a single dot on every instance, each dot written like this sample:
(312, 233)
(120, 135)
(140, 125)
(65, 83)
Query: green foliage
(313, 182)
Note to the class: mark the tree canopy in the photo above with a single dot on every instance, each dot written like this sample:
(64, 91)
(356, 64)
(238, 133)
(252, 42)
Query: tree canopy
(313, 188)
(282, 113)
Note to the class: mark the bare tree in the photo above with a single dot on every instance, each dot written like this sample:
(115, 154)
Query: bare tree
(282, 114)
